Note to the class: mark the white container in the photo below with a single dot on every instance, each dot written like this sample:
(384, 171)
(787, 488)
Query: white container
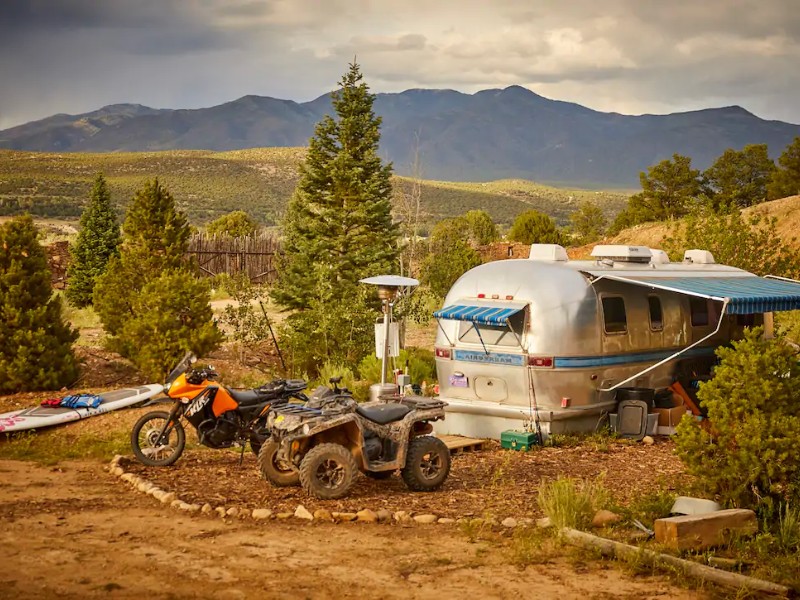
(377, 390)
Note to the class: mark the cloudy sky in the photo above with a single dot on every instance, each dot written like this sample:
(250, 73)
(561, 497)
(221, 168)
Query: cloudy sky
(628, 56)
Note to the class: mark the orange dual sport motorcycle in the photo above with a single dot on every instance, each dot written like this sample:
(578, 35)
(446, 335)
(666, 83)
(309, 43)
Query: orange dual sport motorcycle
(223, 417)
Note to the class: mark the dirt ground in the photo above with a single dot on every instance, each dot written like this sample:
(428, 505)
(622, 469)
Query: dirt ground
(73, 531)
(493, 481)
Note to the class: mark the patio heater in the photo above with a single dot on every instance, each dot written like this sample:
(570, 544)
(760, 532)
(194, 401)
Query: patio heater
(389, 287)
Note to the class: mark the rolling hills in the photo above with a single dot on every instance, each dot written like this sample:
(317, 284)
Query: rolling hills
(509, 133)
(208, 184)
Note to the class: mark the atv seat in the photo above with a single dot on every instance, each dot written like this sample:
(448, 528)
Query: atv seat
(384, 413)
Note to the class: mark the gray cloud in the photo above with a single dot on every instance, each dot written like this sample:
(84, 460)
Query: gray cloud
(619, 55)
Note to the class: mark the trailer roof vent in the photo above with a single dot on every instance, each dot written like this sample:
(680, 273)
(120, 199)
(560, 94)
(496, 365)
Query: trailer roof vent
(548, 252)
(659, 257)
(698, 257)
(619, 253)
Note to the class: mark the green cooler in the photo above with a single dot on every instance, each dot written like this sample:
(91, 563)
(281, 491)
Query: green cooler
(517, 440)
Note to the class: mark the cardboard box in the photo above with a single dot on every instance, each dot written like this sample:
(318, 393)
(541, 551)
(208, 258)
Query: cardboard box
(670, 417)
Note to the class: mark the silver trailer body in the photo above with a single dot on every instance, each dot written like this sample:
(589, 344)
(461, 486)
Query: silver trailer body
(572, 336)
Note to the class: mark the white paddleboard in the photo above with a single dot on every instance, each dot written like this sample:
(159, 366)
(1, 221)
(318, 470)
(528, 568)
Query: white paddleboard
(45, 416)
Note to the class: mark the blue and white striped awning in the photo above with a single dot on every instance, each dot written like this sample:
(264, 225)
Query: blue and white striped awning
(744, 295)
(483, 315)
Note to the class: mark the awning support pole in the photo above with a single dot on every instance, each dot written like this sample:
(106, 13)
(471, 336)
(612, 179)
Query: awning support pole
(673, 356)
(439, 323)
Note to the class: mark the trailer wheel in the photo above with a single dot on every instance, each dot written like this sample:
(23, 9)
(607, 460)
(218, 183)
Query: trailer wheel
(427, 464)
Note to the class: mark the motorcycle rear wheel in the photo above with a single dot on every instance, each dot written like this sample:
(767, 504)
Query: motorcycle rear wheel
(145, 433)
(272, 471)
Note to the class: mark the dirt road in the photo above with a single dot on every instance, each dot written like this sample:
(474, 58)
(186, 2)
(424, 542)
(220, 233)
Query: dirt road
(74, 531)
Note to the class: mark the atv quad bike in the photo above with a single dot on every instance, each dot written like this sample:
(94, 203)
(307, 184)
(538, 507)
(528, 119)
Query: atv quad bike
(326, 441)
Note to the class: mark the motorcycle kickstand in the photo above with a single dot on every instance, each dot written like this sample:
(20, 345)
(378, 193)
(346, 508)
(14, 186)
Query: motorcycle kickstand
(241, 455)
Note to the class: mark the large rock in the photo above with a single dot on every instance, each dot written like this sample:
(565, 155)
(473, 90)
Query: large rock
(366, 516)
(384, 515)
(301, 512)
(426, 519)
(323, 514)
(509, 522)
(344, 516)
(262, 514)
(232, 512)
(604, 518)
(168, 498)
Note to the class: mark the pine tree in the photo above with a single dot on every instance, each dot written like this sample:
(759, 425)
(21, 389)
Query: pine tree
(786, 179)
(35, 342)
(151, 306)
(97, 242)
(338, 224)
(533, 227)
(739, 179)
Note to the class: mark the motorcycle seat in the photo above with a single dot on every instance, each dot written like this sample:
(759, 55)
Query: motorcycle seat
(247, 397)
(384, 414)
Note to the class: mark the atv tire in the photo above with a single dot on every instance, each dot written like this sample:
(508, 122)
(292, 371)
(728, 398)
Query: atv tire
(272, 471)
(327, 471)
(427, 464)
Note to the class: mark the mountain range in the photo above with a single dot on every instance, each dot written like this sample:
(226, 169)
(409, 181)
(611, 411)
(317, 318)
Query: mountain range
(492, 134)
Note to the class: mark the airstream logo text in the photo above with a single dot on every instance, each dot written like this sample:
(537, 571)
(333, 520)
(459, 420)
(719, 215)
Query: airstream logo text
(514, 360)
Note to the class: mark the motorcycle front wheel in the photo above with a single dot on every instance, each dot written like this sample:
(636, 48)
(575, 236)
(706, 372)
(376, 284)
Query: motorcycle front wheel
(149, 449)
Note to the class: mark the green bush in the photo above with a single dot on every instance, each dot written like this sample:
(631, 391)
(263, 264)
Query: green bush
(533, 227)
(235, 224)
(747, 455)
(421, 366)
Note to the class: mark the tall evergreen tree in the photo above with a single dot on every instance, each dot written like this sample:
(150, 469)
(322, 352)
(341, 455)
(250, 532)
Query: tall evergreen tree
(35, 342)
(786, 179)
(151, 306)
(739, 178)
(97, 242)
(338, 224)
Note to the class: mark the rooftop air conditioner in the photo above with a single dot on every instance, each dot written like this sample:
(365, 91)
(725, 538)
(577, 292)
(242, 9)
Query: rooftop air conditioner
(659, 257)
(619, 253)
(698, 257)
(548, 252)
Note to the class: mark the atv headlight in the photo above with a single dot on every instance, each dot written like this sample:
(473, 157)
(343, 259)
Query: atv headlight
(306, 429)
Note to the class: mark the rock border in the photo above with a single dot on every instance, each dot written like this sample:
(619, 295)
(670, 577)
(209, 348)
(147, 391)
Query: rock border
(301, 513)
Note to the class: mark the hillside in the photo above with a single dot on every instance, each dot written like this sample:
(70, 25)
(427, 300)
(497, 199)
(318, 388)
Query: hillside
(786, 211)
(208, 184)
(509, 133)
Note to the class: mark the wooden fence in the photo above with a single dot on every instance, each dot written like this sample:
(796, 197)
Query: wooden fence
(256, 255)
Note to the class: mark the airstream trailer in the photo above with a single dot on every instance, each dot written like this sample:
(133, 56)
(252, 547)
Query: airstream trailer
(552, 340)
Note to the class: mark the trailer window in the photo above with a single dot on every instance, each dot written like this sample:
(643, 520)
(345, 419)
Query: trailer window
(614, 317)
(656, 314)
(493, 335)
(699, 309)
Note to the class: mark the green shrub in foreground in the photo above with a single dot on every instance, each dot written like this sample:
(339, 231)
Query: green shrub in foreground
(748, 455)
